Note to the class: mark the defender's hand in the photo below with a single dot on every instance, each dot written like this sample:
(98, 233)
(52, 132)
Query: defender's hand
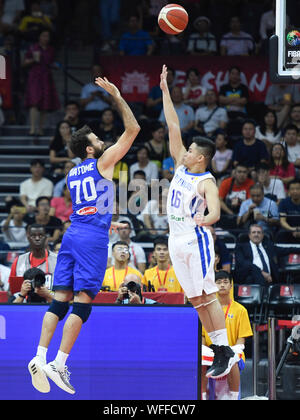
(106, 85)
(163, 78)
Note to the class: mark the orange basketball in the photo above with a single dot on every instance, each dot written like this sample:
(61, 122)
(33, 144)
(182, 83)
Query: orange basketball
(173, 19)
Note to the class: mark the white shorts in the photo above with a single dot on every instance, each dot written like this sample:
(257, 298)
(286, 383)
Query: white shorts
(193, 257)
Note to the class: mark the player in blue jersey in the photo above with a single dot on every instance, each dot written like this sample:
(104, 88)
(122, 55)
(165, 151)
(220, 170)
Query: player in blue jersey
(82, 258)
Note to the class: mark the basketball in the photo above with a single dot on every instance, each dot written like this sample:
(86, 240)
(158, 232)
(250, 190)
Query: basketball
(173, 19)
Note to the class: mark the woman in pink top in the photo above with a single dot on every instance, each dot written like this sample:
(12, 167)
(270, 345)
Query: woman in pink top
(61, 207)
(280, 167)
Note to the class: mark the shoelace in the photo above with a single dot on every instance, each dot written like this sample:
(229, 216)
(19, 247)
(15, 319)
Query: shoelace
(66, 374)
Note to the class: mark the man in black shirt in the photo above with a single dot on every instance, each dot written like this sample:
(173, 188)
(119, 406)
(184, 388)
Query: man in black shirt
(234, 95)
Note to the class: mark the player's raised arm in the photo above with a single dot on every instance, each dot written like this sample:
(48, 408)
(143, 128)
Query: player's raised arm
(177, 149)
(116, 152)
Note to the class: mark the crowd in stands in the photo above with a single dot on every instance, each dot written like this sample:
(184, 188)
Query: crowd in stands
(256, 165)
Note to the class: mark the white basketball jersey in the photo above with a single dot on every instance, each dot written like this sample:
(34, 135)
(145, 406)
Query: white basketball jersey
(184, 200)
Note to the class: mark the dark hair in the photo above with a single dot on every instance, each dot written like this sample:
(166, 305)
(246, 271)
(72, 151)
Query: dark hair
(249, 121)
(35, 226)
(139, 172)
(293, 181)
(80, 141)
(263, 166)
(126, 222)
(37, 162)
(208, 146)
(72, 103)
(234, 68)
(160, 240)
(57, 143)
(285, 162)
(290, 127)
(257, 186)
(192, 70)
(40, 199)
(120, 243)
(222, 274)
(262, 125)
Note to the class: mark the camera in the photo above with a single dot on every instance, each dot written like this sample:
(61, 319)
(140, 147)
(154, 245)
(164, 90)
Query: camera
(36, 276)
(134, 288)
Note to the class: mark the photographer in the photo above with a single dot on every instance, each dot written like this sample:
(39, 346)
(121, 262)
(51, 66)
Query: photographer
(130, 292)
(33, 288)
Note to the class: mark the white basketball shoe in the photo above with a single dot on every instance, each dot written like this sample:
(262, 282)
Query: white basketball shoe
(61, 378)
(38, 376)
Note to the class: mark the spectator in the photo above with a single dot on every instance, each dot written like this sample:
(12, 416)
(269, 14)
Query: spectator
(210, 117)
(42, 217)
(36, 186)
(295, 116)
(4, 276)
(154, 216)
(238, 329)
(135, 41)
(32, 290)
(236, 42)
(258, 209)
(201, 41)
(139, 192)
(143, 163)
(257, 259)
(61, 207)
(222, 160)
(94, 98)
(38, 256)
(154, 101)
(280, 98)
(249, 151)
(35, 22)
(40, 95)
(234, 95)
(11, 14)
(60, 151)
(137, 254)
(59, 186)
(168, 167)
(273, 187)
(184, 112)
(56, 246)
(292, 146)
(268, 130)
(267, 23)
(110, 17)
(107, 130)
(162, 277)
(281, 168)
(115, 275)
(130, 292)
(224, 258)
(13, 227)
(193, 92)
(289, 211)
(157, 146)
(72, 115)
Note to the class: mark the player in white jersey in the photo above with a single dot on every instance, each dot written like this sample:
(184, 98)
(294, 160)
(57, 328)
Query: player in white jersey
(191, 247)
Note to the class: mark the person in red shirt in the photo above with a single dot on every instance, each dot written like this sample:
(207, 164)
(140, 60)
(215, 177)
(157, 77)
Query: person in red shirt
(61, 207)
(234, 190)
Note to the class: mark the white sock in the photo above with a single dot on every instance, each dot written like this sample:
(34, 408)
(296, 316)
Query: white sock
(41, 354)
(234, 395)
(60, 360)
(203, 395)
(219, 337)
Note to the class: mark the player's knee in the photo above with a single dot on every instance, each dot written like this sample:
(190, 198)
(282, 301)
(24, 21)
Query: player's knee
(59, 308)
(83, 310)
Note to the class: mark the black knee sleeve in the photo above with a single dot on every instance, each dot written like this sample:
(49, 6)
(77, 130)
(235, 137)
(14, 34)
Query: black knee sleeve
(59, 308)
(83, 310)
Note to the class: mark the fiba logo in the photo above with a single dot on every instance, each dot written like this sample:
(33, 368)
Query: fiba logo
(2, 67)
(293, 38)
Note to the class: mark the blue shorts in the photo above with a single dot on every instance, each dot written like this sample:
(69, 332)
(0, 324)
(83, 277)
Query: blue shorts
(82, 260)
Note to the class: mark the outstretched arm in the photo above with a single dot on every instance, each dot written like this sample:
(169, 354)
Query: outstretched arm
(177, 149)
(116, 152)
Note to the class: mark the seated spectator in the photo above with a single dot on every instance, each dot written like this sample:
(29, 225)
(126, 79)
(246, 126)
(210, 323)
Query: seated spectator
(280, 167)
(294, 116)
(115, 275)
(4, 276)
(94, 98)
(143, 163)
(42, 217)
(193, 92)
(154, 103)
(184, 112)
(268, 130)
(162, 277)
(222, 159)
(59, 149)
(256, 261)
(210, 117)
(280, 98)
(13, 227)
(249, 151)
(61, 207)
(201, 41)
(273, 187)
(168, 167)
(36, 186)
(236, 42)
(258, 209)
(72, 115)
(59, 186)
(157, 147)
(234, 95)
(289, 212)
(130, 292)
(38, 256)
(137, 254)
(233, 191)
(33, 23)
(290, 138)
(224, 258)
(107, 129)
(135, 41)
(138, 193)
(154, 216)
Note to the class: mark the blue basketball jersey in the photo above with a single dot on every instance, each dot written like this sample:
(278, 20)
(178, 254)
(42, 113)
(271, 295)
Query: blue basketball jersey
(92, 195)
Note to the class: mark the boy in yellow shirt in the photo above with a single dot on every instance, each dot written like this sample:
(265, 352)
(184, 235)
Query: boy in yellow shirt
(115, 275)
(238, 328)
(162, 277)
